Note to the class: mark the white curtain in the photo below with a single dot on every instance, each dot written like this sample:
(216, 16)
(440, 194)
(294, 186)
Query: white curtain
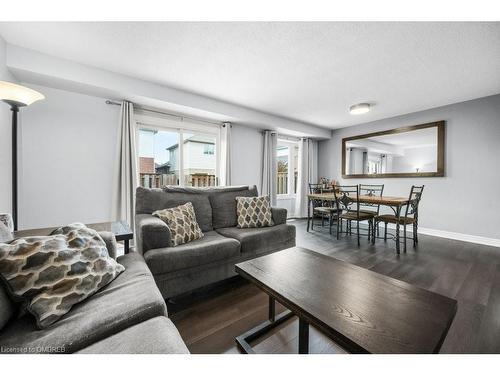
(308, 173)
(270, 166)
(225, 155)
(125, 181)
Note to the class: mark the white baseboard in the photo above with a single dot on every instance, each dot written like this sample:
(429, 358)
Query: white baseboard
(454, 236)
(450, 235)
(460, 236)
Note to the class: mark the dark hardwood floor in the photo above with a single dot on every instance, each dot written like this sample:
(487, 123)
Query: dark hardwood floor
(210, 319)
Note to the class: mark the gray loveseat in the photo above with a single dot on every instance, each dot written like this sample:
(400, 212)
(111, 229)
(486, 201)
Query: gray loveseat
(127, 316)
(212, 258)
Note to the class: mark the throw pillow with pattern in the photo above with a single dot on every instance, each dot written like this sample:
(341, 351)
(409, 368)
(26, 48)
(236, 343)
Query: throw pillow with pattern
(254, 212)
(181, 221)
(52, 273)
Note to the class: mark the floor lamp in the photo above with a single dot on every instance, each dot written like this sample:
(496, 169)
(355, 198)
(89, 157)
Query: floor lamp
(16, 96)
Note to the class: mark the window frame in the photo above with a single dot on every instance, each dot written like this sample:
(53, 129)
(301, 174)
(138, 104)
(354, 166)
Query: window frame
(180, 126)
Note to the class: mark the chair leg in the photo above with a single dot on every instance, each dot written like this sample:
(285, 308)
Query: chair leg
(330, 222)
(378, 231)
(357, 230)
(414, 235)
(338, 236)
(369, 230)
(385, 233)
(312, 220)
(404, 235)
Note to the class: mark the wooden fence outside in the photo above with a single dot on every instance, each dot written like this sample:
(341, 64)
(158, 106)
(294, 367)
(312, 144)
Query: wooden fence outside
(282, 184)
(156, 180)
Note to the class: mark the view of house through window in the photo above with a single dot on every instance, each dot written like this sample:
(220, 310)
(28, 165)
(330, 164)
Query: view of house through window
(199, 159)
(155, 161)
(287, 153)
(160, 163)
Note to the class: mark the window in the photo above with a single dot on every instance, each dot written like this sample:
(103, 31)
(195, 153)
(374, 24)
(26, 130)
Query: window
(158, 162)
(209, 149)
(170, 155)
(287, 154)
(199, 159)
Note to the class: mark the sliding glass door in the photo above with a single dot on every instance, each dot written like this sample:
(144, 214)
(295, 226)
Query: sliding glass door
(177, 153)
(199, 162)
(287, 152)
(158, 157)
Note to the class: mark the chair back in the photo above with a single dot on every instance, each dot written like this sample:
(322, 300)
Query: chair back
(414, 201)
(371, 190)
(315, 188)
(346, 198)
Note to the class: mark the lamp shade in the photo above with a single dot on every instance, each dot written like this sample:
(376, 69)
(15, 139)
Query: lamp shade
(18, 95)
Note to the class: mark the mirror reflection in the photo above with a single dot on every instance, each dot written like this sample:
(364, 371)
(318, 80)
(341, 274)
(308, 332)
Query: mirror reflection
(399, 152)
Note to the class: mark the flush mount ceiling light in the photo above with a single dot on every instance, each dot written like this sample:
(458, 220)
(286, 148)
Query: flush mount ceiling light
(359, 109)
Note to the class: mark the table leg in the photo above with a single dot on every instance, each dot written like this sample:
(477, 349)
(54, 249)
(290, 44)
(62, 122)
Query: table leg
(272, 309)
(303, 336)
(308, 212)
(126, 246)
(398, 215)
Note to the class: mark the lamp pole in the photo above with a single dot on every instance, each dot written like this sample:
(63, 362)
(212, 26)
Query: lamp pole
(15, 109)
(16, 96)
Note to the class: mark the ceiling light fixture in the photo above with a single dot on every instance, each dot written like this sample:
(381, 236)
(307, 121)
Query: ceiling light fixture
(359, 109)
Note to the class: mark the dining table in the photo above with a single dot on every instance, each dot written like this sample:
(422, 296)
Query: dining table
(395, 203)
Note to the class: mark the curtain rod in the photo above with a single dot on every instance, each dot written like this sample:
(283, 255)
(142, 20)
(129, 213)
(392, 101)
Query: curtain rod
(182, 117)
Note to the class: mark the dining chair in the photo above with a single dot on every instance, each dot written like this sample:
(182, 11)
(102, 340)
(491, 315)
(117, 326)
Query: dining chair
(370, 208)
(320, 208)
(410, 217)
(347, 202)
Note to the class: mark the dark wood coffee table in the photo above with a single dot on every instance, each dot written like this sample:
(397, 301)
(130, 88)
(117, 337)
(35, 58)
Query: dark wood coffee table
(362, 311)
(120, 229)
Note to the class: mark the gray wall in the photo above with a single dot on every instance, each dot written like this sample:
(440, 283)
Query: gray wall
(68, 152)
(466, 199)
(67, 159)
(246, 164)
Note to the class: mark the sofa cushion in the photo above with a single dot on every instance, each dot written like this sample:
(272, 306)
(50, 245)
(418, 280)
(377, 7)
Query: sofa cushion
(7, 307)
(254, 212)
(181, 222)
(128, 300)
(5, 233)
(261, 240)
(53, 273)
(150, 200)
(154, 336)
(211, 248)
(223, 203)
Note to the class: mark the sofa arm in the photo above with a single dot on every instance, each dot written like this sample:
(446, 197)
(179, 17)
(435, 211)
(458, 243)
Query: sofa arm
(279, 215)
(150, 233)
(110, 240)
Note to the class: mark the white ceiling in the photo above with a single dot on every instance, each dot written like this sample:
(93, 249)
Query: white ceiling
(310, 72)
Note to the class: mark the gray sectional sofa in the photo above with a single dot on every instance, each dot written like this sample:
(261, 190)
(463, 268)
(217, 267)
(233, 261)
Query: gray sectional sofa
(127, 316)
(189, 266)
